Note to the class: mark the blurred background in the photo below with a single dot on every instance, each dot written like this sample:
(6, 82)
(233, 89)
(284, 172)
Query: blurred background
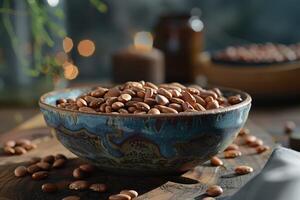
(47, 44)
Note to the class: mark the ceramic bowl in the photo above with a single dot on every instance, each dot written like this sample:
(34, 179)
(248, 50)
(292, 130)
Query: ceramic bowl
(145, 144)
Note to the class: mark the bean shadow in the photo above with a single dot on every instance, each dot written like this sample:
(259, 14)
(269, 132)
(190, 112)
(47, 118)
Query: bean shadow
(12, 187)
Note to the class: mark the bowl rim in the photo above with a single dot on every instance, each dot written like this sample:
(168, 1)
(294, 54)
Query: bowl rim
(245, 102)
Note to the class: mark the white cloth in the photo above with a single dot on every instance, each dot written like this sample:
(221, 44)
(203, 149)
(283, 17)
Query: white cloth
(278, 180)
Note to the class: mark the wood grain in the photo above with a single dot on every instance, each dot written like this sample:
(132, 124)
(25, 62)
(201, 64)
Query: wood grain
(190, 185)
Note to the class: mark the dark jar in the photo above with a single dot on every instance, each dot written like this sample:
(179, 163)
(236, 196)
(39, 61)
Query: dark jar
(180, 37)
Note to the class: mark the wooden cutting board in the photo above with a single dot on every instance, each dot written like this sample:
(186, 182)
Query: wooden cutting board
(190, 185)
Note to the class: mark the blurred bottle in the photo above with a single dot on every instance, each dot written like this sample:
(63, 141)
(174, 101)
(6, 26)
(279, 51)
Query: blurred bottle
(180, 37)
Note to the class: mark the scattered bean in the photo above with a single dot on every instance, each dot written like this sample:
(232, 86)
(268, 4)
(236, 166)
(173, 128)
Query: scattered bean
(20, 171)
(215, 161)
(243, 169)
(214, 191)
(49, 187)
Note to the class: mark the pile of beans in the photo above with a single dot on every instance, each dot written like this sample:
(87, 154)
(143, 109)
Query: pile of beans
(18, 147)
(147, 98)
(39, 169)
(259, 53)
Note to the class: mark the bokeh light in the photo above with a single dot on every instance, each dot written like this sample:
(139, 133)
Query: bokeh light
(70, 71)
(53, 3)
(143, 40)
(86, 48)
(67, 44)
(61, 58)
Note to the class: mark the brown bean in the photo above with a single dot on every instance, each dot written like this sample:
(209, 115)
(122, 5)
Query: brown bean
(44, 165)
(151, 85)
(165, 109)
(109, 101)
(123, 111)
(199, 107)
(73, 197)
(96, 103)
(150, 101)
(119, 197)
(99, 92)
(200, 100)
(262, 148)
(59, 163)
(9, 150)
(49, 187)
(78, 173)
(207, 93)
(176, 93)
(117, 105)
(132, 109)
(20, 171)
(214, 190)
(217, 91)
(212, 105)
(81, 102)
(124, 98)
(102, 107)
(176, 106)
(232, 147)
(154, 111)
(20, 150)
(79, 185)
(142, 106)
(187, 97)
(161, 100)
(112, 92)
(40, 175)
(87, 109)
(140, 94)
(209, 99)
(138, 99)
(108, 109)
(89, 99)
(128, 91)
(98, 187)
(176, 100)
(235, 99)
(215, 161)
(192, 90)
(10, 143)
(131, 193)
(88, 168)
(149, 93)
(243, 169)
(187, 106)
(33, 168)
(232, 153)
(164, 93)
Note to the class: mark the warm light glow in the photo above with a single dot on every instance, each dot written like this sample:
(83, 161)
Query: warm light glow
(70, 71)
(86, 48)
(143, 41)
(67, 44)
(61, 57)
(53, 3)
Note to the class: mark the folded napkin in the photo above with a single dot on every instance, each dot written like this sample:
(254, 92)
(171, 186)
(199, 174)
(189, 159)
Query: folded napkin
(279, 179)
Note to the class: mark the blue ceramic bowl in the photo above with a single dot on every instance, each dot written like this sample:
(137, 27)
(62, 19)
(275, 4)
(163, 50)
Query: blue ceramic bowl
(145, 144)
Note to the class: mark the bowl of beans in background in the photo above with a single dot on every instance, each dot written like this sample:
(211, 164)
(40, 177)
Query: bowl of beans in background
(140, 128)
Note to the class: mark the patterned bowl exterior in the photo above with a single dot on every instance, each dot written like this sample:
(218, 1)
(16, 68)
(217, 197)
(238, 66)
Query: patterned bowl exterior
(144, 144)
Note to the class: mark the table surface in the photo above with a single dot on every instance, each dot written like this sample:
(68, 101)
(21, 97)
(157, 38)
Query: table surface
(190, 185)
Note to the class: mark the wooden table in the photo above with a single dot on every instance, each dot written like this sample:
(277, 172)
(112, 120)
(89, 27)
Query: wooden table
(190, 185)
